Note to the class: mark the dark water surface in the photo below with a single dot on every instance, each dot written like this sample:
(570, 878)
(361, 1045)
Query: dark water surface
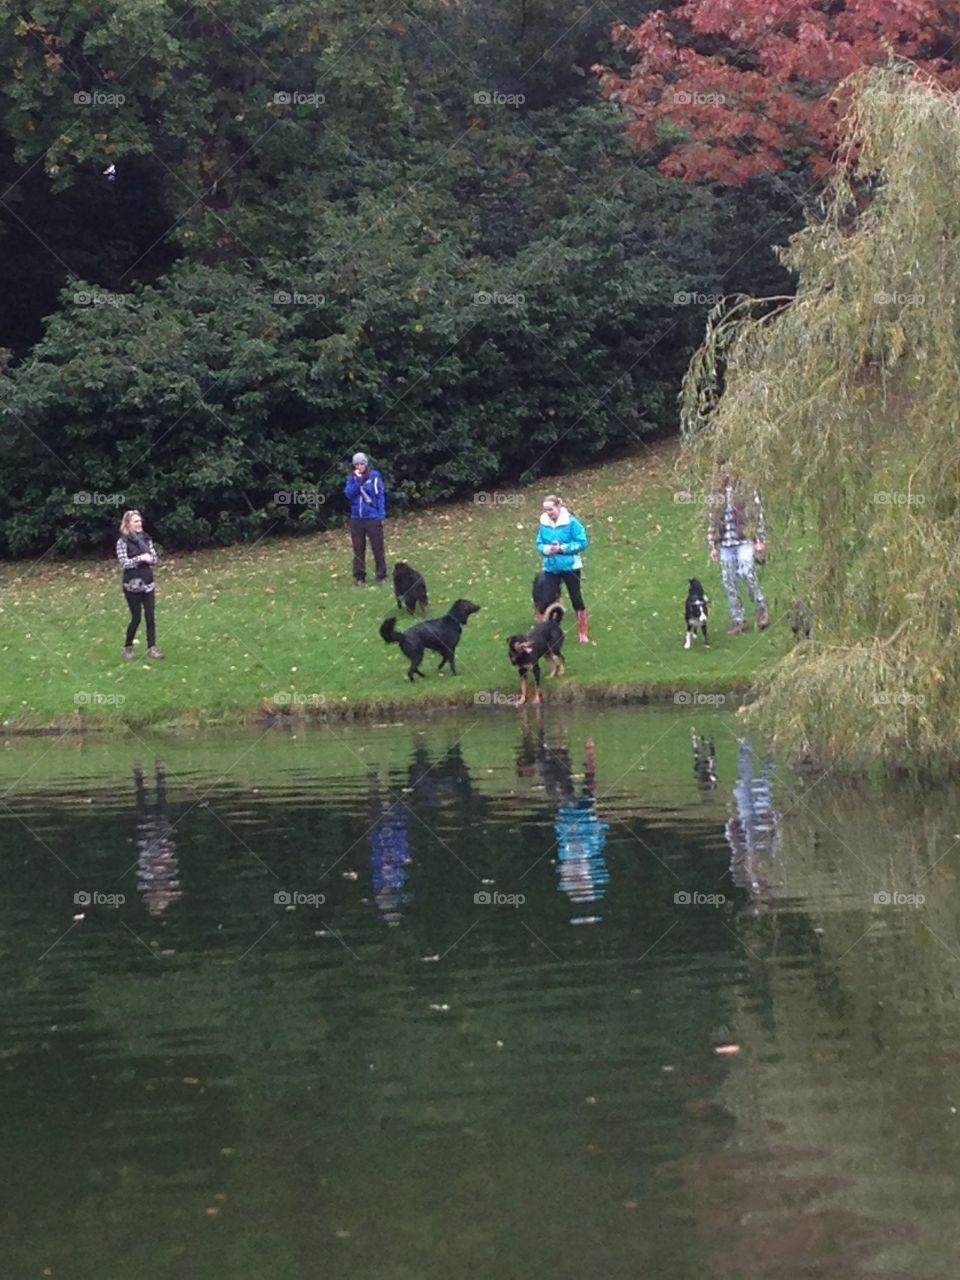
(444, 1000)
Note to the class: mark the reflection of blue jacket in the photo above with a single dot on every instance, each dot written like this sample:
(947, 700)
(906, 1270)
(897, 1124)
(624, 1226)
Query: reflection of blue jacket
(581, 838)
(368, 498)
(571, 535)
(391, 861)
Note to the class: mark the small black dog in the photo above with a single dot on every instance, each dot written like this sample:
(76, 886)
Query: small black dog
(442, 635)
(544, 641)
(696, 613)
(410, 588)
(544, 594)
(801, 620)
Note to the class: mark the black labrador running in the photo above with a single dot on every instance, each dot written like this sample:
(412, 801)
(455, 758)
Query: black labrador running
(544, 641)
(442, 635)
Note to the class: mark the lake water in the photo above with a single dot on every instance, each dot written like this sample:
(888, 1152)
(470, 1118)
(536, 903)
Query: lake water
(481, 995)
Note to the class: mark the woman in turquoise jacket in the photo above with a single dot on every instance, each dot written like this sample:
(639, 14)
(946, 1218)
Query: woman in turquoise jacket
(560, 540)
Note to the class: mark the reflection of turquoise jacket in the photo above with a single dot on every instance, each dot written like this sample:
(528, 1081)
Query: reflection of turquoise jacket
(581, 839)
(571, 535)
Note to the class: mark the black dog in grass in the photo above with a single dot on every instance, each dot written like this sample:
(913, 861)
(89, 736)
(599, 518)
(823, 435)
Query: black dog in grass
(544, 594)
(696, 613)
(410, 588)
(442, 635)
(801, 620)
(544, 641)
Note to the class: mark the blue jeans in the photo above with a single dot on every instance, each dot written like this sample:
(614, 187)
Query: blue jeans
(735, 563)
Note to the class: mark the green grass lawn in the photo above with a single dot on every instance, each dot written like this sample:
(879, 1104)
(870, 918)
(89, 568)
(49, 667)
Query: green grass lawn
(248, 630)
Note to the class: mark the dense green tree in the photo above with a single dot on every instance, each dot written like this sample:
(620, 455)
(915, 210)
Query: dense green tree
(324, 227)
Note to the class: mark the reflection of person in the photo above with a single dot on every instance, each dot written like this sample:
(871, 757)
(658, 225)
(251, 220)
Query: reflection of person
(391, 858)
(560, 540)
(137, 556)
(754, 833)
(735, 537)
(581, 836)
(368, 510)
(156, 849)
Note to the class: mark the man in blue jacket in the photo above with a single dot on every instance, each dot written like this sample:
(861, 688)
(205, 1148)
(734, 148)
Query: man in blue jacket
(368, 510)
(560, 540)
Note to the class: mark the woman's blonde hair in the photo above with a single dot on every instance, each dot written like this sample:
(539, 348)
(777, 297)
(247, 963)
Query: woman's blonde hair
(125, 522)
(552, 497)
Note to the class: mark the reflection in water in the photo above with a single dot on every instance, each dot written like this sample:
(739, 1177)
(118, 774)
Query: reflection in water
(156, 857)
(754, 833)
(704, 761)
(390, 857)
(433, 783)
(581, 836)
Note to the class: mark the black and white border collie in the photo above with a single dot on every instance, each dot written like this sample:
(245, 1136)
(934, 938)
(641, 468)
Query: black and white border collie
(695, 613)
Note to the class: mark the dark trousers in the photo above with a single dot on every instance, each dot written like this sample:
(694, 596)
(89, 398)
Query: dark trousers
(145, 601)
(360, 531)
(572, 578)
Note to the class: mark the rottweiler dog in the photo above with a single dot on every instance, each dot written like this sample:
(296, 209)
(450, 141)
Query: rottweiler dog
(544, 595)
(410, 588)
(442, 635)
(544, 641)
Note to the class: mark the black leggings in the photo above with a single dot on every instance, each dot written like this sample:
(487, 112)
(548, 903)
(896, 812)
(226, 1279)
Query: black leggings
(145, 600)
(572, 578)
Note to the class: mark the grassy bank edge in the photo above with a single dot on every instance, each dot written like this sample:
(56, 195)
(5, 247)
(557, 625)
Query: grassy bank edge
(267, 714)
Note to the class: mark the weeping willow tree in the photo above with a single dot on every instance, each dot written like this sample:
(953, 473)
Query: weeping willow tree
(842, 405)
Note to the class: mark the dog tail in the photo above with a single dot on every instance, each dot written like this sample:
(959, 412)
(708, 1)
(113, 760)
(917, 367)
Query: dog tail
(555, 612)
(389, 632)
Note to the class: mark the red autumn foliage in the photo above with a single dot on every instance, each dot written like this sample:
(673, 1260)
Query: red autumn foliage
(724, 90)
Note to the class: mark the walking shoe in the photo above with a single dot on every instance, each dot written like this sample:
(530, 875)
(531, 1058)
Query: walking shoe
(154, 652)
(128, 652)
(738, 629)
(359, 582)
(763, 619)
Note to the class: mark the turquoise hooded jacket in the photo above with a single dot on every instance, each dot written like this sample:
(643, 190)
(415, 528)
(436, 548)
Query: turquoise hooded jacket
(570, 533)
